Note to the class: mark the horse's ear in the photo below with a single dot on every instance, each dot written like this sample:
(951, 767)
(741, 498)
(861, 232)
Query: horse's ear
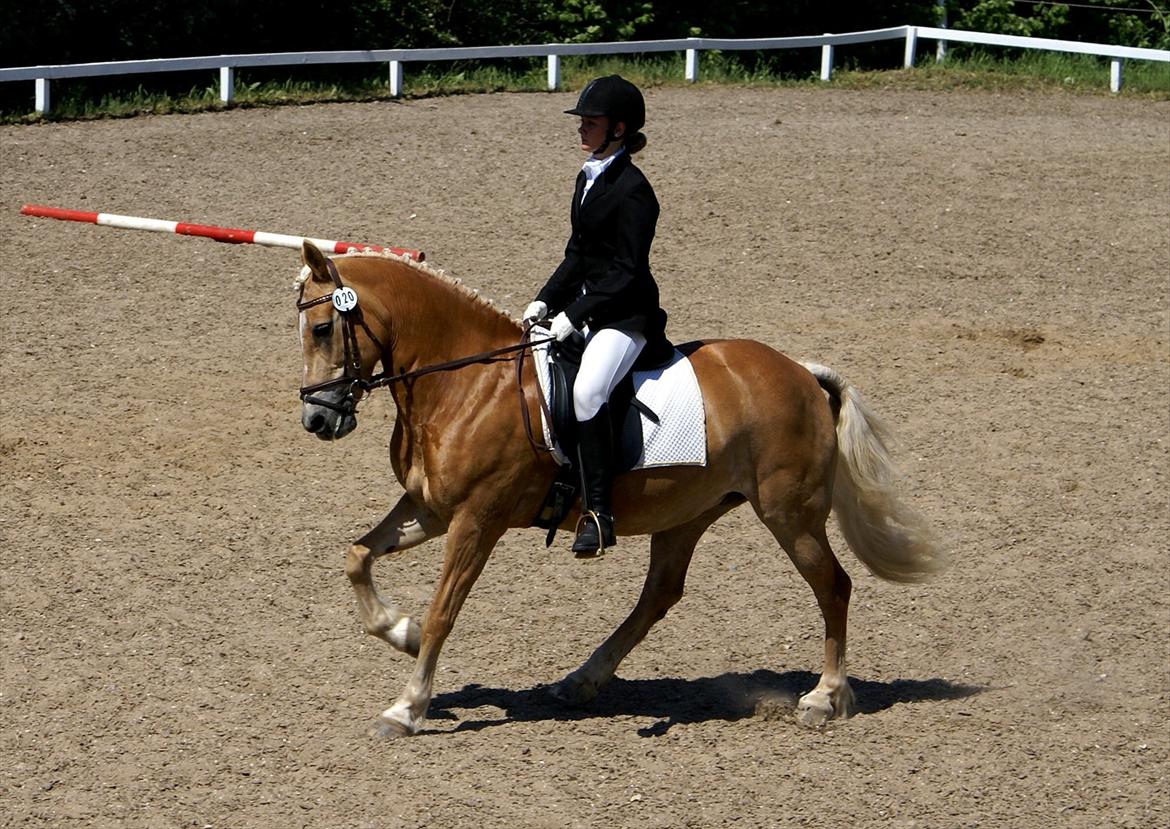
(315, 261)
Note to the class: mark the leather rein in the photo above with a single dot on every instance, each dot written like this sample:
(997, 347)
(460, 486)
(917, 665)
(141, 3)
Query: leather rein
(344, 301)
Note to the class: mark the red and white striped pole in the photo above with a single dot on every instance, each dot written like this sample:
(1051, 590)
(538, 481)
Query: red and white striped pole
(220, 234)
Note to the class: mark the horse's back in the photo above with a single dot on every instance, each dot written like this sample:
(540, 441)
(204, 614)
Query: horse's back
(761, 405)
(753, 377)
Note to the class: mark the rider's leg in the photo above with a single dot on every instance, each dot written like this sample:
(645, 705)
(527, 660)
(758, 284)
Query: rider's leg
(609, 355)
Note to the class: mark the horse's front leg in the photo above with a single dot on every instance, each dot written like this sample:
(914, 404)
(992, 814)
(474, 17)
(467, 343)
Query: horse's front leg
(469, 543)
(407, 525)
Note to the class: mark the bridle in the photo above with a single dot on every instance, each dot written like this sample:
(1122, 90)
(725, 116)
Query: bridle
(345, 302)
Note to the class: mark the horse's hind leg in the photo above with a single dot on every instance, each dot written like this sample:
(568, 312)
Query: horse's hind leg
(407, 525)
(670, 556)
(813, 557)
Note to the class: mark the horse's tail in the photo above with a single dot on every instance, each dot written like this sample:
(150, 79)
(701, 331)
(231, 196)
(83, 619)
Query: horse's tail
(889, 537)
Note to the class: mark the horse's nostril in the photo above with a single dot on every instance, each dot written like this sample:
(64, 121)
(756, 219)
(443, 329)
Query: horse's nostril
(315, 423)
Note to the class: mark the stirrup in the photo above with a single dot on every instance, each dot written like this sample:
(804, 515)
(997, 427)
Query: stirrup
(586, 545)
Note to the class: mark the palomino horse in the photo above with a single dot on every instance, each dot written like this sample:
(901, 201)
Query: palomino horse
(793, 441)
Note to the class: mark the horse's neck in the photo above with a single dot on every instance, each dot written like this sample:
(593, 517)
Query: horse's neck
(433, 322)
(429, 321)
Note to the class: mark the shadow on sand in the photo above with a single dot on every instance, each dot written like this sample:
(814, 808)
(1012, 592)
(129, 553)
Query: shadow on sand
(673, 701)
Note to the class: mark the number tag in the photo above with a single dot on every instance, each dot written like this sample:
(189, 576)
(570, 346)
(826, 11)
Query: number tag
(344, 299)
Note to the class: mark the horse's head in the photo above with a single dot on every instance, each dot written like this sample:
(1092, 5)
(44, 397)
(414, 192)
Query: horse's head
(336, 358)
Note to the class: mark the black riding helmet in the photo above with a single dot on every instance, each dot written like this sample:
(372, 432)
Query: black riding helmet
(615, 98)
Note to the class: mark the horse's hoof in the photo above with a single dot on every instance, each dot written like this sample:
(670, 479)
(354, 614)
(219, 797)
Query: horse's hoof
(385, 728)
(572, 692)
(817, 707)
(814, 710)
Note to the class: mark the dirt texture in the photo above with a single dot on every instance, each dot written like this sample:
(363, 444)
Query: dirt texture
(180, 646)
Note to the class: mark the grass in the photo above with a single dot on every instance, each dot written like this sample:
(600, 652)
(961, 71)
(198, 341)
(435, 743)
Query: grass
(1027, 72)
(999, 72)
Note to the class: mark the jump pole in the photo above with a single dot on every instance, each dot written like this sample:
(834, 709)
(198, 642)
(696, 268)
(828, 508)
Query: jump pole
(230, 235)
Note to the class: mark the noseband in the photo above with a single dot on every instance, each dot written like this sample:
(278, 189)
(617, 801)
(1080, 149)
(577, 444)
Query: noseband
(345, 302)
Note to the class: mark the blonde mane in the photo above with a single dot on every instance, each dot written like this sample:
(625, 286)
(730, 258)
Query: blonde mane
(421, 267)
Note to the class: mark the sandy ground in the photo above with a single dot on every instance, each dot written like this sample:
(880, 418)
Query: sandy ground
(179, 644)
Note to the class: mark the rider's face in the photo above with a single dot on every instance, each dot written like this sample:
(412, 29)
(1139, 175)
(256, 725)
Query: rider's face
(592, 131)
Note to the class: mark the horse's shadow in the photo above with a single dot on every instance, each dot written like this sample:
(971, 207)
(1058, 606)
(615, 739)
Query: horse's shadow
(674, 701)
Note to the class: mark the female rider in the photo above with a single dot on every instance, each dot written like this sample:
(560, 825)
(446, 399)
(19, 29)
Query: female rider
(604, 286)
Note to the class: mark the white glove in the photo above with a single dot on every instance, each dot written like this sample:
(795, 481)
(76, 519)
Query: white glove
(535, 311)
(561, 327)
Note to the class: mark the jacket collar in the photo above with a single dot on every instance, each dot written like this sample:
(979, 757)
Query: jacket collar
(603, 181)
(594, 167)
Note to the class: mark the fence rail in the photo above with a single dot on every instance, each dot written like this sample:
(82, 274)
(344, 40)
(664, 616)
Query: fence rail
(692, 46)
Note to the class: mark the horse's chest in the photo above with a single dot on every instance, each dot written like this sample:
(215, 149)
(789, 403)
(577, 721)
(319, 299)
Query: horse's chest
(417, 464)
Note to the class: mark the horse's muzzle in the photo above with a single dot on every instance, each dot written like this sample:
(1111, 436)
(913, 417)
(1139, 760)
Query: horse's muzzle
(325, 422)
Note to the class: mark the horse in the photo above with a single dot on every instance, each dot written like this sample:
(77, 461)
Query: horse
(795, 441)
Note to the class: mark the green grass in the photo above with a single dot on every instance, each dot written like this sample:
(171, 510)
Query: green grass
(1000, 72)
(1026, 72)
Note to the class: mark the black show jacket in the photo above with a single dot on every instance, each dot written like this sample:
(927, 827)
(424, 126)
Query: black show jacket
(608, 254)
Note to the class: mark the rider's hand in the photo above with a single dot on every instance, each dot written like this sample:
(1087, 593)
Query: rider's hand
(535, 311)
(561, 327)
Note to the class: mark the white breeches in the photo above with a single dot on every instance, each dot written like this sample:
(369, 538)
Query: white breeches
(609, 355)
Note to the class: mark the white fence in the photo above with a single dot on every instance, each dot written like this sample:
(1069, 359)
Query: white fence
(692, 46)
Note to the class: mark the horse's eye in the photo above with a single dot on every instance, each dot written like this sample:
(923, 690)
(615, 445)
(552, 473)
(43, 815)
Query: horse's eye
(323, 329)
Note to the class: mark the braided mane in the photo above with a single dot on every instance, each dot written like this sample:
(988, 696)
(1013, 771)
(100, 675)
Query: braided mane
(421, 267)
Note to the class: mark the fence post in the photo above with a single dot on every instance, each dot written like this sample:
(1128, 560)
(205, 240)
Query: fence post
(826, 61)
(1115, 75)
(554, 72)
(911, 46)
(227, 84)
(395, 78)
(43, 95)
(692, 65)
(940, 51)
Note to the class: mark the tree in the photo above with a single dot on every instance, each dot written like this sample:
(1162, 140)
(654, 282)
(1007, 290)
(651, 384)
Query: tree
(1000, 17)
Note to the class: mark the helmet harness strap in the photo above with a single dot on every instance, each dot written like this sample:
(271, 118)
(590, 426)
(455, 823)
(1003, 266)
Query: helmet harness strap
(610, 137)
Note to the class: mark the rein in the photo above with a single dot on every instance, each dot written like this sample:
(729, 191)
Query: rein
(345, 303)
(385, 379)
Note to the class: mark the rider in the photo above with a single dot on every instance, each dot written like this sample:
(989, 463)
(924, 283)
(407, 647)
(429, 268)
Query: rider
(604, 285)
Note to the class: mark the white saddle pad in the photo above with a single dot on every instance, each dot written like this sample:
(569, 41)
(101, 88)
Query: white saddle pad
(672, 393)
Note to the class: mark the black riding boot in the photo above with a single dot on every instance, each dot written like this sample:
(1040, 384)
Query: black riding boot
(595, 453)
